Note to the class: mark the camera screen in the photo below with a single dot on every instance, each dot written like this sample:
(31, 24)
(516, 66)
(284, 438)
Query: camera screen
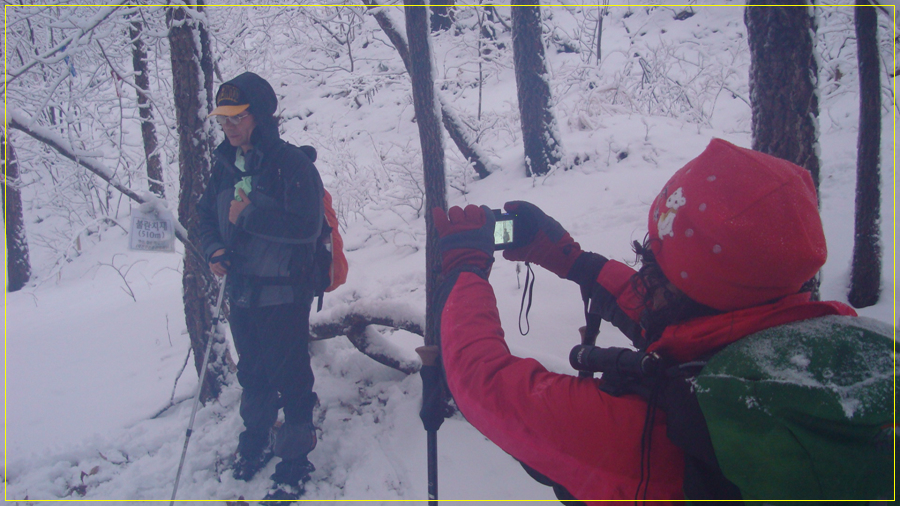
(503, 231)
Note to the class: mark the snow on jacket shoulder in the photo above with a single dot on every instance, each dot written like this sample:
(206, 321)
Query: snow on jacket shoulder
(562, 426)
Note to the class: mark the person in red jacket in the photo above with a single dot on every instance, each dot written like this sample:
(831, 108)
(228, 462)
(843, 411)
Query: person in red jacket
(734, 238)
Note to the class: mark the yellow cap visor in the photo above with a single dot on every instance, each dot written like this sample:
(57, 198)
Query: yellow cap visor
(229, 110)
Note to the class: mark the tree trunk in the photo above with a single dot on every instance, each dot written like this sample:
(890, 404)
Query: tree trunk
(601, 13)
(429, 123)
(18, 266)
(865, 274)
(148, 129)
(599, 35)
(542, 147)
(466, 145)
(192, 86)
(783, 79)
(442, 16)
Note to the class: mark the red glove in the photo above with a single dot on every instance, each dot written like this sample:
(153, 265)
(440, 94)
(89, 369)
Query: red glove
(543, 240)
(467, 237)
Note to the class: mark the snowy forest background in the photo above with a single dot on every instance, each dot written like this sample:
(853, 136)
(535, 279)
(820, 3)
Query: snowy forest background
(99, 375)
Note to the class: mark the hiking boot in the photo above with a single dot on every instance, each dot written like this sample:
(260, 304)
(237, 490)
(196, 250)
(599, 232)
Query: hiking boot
(254, 452)
(245, 468)
(282, 494)
(289, 478)
(293, 472)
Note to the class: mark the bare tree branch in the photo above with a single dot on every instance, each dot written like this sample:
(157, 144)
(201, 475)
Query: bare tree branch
(21, 122)
(62, 46)
(466, 145)
(354, 326)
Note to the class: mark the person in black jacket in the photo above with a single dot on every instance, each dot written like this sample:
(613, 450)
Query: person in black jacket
(260, 218)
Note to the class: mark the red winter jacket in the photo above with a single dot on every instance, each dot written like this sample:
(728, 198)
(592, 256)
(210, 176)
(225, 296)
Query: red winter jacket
(565, 427)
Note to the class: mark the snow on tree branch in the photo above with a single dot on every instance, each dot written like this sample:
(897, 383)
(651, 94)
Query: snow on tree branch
(355, 321)
(23, 123)
(62, 49)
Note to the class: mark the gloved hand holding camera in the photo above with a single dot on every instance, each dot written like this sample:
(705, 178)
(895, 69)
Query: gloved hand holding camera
(541, 240)
(466, 237)
(469, 237)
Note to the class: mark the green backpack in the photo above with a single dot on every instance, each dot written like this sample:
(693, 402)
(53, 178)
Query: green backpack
(805, 410)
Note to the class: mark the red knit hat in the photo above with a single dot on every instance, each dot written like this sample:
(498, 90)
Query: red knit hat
(736, 228)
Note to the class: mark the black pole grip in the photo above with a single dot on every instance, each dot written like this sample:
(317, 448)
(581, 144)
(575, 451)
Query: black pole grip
(614, 360)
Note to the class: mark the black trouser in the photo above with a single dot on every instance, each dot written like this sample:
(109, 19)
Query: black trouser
(273, 349)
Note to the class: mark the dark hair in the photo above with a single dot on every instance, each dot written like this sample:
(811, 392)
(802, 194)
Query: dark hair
(649, 281)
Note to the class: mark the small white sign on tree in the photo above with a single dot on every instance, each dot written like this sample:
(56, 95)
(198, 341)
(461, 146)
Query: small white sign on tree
(152, 231)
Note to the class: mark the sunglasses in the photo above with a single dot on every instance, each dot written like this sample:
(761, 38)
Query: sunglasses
(234, 120)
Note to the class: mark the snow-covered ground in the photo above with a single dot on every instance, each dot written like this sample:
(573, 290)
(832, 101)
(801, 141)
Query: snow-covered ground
(90, 369)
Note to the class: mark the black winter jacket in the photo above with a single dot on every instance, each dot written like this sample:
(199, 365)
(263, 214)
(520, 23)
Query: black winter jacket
(272, 245)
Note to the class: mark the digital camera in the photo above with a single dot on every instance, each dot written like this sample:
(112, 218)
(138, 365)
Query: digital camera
(504, 230)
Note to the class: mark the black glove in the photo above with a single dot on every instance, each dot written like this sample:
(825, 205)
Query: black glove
(543, 240)
(546, 243)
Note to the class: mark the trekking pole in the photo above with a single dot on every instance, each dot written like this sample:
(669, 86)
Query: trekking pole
(209, 341)
(432, 468)
(432, 413)
(590, 331)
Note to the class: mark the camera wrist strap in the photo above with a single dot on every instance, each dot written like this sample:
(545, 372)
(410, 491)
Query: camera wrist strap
(529, 292)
